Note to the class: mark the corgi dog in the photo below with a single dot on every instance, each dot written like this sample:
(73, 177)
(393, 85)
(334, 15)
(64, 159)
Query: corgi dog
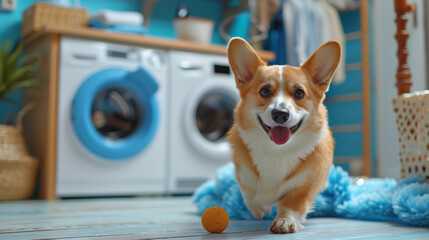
(282, 145)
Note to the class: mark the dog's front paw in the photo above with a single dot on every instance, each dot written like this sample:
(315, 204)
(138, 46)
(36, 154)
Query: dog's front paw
(257, 210)
(285, 225)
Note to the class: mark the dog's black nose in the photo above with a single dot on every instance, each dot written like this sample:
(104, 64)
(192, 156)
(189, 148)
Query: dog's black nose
(280, 116)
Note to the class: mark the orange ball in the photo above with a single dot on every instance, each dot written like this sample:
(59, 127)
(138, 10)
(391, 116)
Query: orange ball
(215, 219)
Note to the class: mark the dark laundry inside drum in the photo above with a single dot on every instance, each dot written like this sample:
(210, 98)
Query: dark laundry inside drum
(115, 113)
(215, 115)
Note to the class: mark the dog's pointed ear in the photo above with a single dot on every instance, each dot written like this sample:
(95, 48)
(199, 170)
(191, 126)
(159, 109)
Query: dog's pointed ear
(321, 65)
(244, 60)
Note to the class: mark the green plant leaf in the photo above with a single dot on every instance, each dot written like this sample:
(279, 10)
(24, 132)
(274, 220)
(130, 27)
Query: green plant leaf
(4, 52)
(30, 82)
(1, 68)
(13, 58)
(6, 48)
(2, 88)
(21, 73)
(12, 61)
(28, 59)
(25, 82)
(16, 71)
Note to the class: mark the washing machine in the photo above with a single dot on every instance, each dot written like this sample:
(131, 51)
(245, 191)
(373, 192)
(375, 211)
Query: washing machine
(111, 137)
(202, 101)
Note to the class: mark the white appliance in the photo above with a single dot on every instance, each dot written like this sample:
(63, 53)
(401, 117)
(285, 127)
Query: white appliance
(111, 119)
(202, 99)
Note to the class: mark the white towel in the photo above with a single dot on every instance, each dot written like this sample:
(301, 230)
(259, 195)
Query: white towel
(296, 30)
(343, 4)
(110, 18)
(337, 33)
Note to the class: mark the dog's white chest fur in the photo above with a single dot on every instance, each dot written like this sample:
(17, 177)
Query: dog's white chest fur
(274, 164)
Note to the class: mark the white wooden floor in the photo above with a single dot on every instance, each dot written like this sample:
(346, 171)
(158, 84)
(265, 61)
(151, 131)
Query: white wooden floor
(164, 218)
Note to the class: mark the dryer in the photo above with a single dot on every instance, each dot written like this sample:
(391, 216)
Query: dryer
(202, 99)
(111, 119)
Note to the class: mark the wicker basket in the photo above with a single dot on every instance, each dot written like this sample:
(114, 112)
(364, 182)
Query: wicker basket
(412, 119)
(18, 170)
(41, 14)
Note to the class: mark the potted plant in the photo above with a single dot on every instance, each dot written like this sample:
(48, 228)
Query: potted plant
(18, 169)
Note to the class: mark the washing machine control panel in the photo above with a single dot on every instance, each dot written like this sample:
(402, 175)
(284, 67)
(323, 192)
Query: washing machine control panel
(221, 69)
(130, 55)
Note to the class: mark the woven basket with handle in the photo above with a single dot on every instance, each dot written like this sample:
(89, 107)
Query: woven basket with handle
(18, 170)
(412, 120)
(41, 14)
(411, 109)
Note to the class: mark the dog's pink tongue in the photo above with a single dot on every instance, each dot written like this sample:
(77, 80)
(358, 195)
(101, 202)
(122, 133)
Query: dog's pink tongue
(280, 135)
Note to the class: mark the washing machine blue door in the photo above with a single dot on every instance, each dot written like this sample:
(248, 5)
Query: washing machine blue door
(115, 113)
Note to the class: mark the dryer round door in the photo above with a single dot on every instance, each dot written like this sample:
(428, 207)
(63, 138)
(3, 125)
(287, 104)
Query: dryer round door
(209, 115)
(115, 113)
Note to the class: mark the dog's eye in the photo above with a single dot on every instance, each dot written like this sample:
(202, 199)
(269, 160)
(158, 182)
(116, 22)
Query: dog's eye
(299, 94)
(265, 92)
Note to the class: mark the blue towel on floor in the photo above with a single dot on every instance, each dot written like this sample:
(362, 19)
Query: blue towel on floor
(375, 199)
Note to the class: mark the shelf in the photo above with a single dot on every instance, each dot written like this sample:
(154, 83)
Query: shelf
(136, 39)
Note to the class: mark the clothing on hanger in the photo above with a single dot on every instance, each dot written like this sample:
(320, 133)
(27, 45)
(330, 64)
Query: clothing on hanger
(343, 4)
(337, 33)
(307, 25)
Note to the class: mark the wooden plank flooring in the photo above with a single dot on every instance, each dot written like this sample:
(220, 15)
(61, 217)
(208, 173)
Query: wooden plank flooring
(166, 218)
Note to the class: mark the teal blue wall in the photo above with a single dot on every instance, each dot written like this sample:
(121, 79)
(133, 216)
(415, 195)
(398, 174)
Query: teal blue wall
(349, 144)
(161, 23)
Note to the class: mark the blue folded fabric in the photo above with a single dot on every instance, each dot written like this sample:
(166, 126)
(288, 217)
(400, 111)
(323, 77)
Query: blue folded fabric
(376, 199)
(129, 28)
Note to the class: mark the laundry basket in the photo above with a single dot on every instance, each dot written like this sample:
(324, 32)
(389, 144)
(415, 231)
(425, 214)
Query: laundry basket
(411, 109)
(412, 120)
(18, 170)
(41, 14)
